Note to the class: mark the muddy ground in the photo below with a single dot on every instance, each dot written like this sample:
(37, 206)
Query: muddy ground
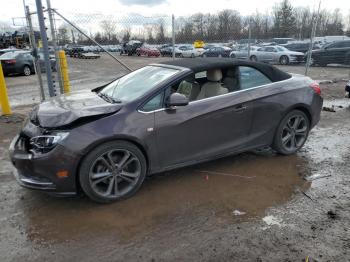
(250, 207)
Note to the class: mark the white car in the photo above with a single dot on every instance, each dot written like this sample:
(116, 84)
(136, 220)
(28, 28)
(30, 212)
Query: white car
(192, 52)
(277, 54)
(242, 52)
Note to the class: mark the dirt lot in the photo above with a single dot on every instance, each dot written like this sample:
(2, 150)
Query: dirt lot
(250, 207)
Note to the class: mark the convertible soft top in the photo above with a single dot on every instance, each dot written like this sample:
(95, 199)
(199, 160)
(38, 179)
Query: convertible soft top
(201, 64)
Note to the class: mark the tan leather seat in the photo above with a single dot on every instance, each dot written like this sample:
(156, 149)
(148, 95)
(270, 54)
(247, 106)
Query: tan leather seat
(213, 87)
(189, 89)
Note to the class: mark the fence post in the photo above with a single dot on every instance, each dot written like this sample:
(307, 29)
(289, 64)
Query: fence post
(313, 34)
(39, 9)
(54, 43)
(32, 40)
(64, 71)
(173, 34)
(4, 100)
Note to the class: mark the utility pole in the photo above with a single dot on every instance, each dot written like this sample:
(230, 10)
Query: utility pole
(313, 33)
(173, 34)
(54, 43)
(41, 19)
(32, 40)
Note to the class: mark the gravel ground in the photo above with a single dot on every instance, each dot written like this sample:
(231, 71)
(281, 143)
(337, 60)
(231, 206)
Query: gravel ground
(250, 207)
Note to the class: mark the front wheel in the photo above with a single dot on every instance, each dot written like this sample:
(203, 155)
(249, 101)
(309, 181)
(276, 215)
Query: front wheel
(112, 171)
(284, 60)
(291, 133)
(26, 71)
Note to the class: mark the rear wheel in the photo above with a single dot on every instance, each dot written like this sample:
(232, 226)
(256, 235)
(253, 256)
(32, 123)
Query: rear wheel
(112, 171)
(291, 133)
(192, 55)
(26, 70)
(284, 60)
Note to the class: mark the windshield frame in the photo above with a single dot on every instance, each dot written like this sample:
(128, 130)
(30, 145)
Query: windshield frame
(156, 86)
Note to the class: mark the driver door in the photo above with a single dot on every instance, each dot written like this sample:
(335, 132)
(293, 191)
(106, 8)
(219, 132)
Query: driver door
(203, 129)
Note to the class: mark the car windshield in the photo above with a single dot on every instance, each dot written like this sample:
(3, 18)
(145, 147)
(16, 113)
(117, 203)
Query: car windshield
(137, 83)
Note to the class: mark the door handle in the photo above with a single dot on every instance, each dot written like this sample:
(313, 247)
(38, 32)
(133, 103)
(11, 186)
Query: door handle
(240, 108)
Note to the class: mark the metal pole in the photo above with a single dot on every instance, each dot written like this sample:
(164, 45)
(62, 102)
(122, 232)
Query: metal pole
(32, 40)
(173, 34)
(313, 33)
(39, 9)
(249, 36)
(77, 28)
(54, 43)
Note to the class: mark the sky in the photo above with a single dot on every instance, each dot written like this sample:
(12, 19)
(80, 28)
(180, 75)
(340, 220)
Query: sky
(14, 8)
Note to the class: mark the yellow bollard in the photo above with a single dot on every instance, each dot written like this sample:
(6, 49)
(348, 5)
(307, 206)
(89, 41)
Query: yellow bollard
(64, 71)
(4, 100)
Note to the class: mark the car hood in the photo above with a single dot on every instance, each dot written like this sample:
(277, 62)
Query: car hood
(66, 109)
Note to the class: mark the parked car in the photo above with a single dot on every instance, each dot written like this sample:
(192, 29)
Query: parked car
(166, 51)
(347, 89)
(192, 52)
(333, 53)
(301, 47)
(17, 62)
(22, 62)
(130, 47)
(147, 51)
(242, 52)
(77, 51)
(160, 117)
(217, 51)
(277, 54)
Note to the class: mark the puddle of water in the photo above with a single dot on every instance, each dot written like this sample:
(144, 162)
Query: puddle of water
(213, 190)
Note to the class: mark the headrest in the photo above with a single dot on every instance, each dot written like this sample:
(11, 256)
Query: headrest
(231, 72)
(214, 75)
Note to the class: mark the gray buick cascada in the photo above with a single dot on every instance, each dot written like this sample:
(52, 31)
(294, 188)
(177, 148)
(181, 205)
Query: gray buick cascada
(163, 116)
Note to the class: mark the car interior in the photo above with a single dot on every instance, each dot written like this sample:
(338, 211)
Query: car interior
(216, 82)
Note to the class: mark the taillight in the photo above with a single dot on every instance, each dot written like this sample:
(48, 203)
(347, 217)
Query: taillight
(12, 61)
(316, 88)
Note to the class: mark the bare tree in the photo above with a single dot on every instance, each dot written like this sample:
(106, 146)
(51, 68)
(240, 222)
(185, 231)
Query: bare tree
(109, 28)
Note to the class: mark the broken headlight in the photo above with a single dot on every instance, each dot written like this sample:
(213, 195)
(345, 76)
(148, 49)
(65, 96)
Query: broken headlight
(45, 143)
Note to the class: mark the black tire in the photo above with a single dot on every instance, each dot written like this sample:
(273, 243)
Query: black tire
(288, 126)
(284, 60)
(90, 163)
(26, 70)
(253, 58)
(192, 55)
(232, 55)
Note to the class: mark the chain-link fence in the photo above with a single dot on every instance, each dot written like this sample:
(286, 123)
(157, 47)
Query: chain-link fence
(100, 47)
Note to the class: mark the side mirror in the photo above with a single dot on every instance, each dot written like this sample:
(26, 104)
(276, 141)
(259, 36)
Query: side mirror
(176, 99)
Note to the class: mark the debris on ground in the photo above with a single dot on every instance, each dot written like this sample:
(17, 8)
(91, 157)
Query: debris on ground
(328, 109)
(316, 176)
(15, 118)
(332, 214)
(272, 221)
(236, 212)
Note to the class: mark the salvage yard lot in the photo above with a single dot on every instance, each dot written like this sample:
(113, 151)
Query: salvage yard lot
(87, 74)
(254, 206)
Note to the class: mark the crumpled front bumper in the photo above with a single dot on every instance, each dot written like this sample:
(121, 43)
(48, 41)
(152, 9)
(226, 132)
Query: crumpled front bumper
(39, 172)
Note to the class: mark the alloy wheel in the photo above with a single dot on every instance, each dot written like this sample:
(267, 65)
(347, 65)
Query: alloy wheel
(115, 173)
(26, 71)
(294, 133)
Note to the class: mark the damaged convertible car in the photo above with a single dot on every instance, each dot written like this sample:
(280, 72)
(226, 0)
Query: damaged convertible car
(163, 116)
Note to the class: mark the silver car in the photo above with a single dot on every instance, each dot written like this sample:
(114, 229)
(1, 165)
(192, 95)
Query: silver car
(277, 54)
(242, 53)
